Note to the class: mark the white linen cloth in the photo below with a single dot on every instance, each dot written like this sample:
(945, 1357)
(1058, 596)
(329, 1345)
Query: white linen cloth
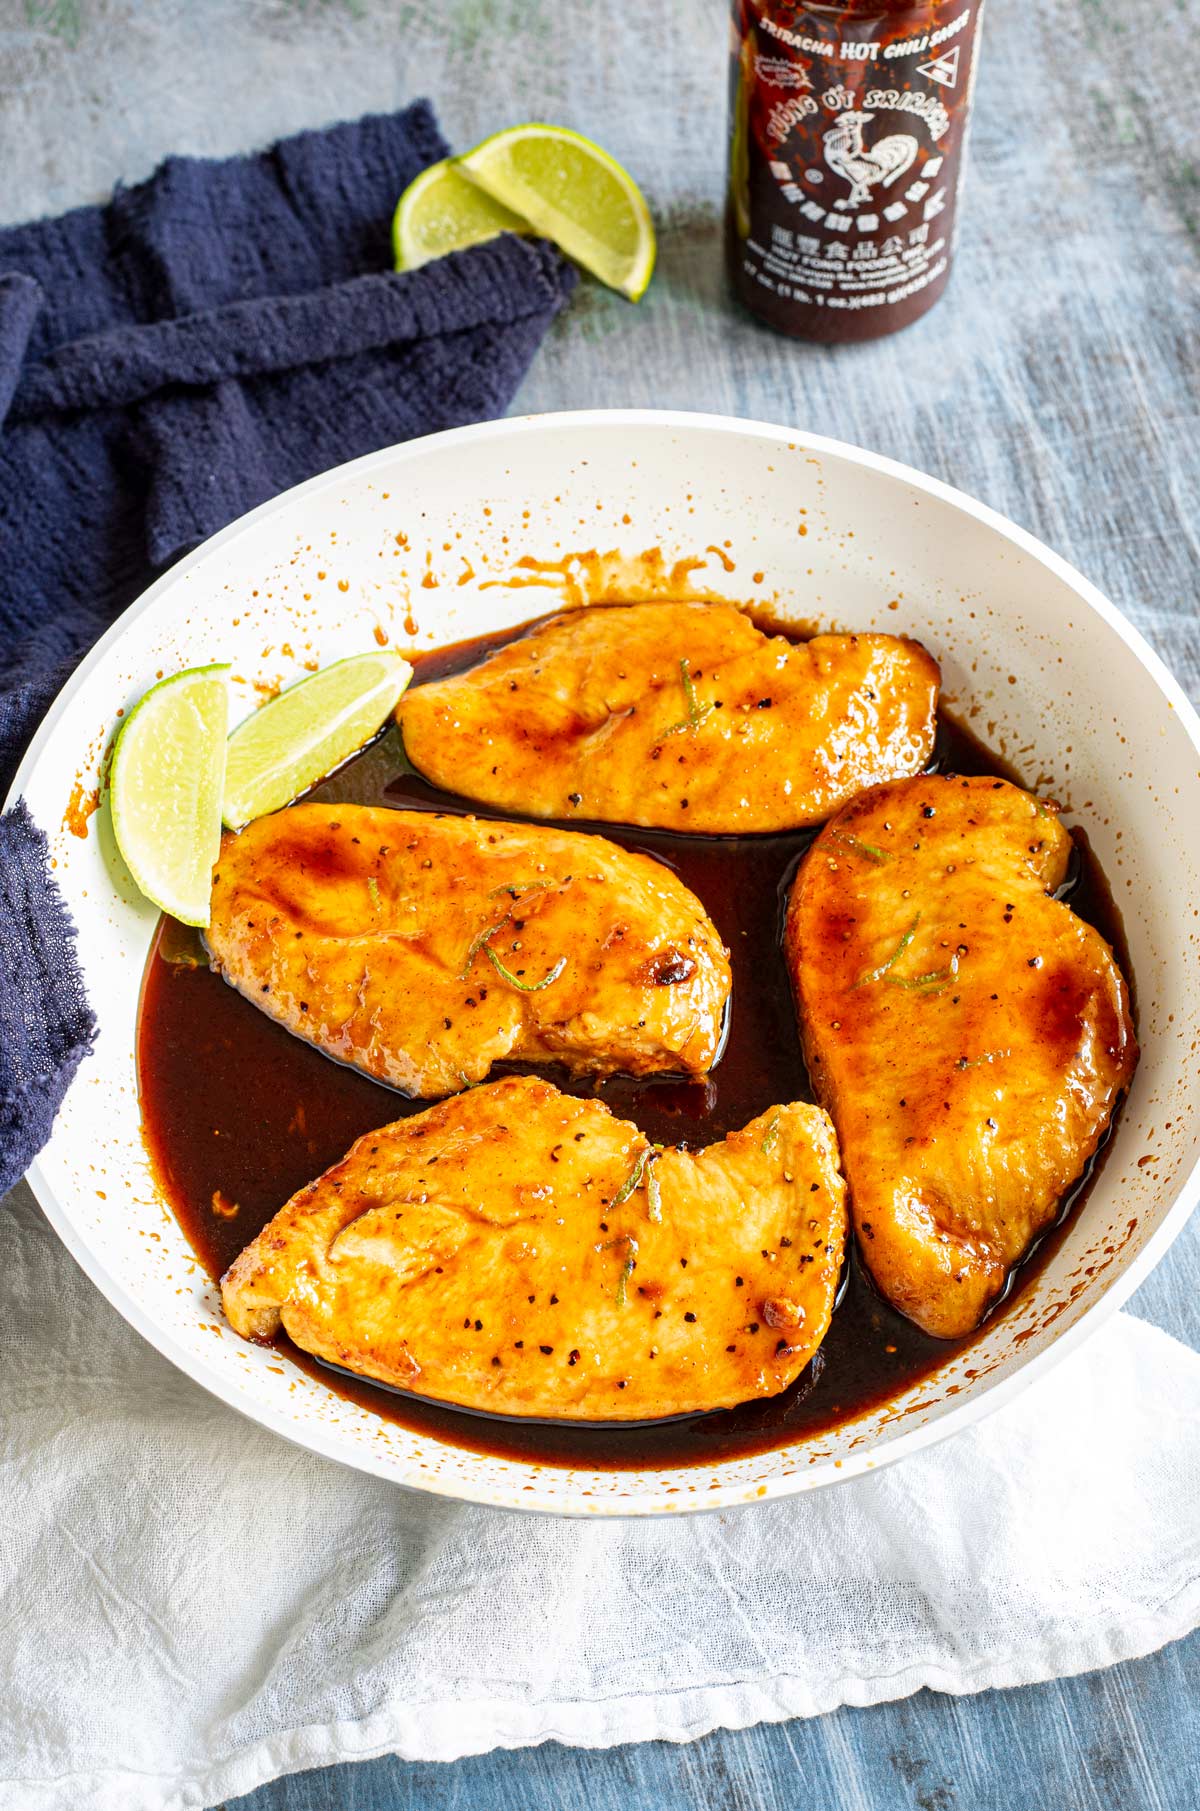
(191, 1606)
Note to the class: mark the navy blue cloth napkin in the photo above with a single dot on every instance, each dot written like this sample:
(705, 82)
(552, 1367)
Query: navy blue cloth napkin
(167, 361)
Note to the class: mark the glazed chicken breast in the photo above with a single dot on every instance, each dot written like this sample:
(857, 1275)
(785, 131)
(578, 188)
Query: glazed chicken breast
(423, 949)
(681, 716)
(525, 1252)
(969, 1034)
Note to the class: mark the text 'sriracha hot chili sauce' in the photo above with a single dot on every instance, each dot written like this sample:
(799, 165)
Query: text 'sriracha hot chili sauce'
(848, 127)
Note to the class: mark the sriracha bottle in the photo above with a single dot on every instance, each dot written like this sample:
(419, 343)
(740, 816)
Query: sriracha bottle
(848, 125)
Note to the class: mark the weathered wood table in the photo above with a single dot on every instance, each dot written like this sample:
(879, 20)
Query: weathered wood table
(1057, 381)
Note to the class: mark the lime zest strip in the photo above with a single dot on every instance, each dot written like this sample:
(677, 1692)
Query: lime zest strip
(478, 943)
(870, 850)
(627, 1268)
(877, 974)
(525, 987)
(633, 1180)
(696, 712)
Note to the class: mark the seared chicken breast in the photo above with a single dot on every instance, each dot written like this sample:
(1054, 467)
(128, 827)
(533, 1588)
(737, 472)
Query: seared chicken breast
(522, 1251)
(682, 716)
(969, 1034)
(423, 949)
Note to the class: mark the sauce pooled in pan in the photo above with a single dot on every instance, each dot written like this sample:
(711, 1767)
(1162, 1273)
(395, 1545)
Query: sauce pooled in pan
(239, 1115)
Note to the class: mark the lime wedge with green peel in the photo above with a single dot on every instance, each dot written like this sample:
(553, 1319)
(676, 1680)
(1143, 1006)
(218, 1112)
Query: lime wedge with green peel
(307, 731)
(165, 786)
(571, 191)
(443, 212)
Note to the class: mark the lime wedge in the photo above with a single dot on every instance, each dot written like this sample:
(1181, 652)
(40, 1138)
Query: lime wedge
(442, 212)
(168, 769)
(307, 731)
(570, 190)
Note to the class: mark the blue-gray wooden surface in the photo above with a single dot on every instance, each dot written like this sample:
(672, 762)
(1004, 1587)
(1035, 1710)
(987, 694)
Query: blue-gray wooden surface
(1058, 381)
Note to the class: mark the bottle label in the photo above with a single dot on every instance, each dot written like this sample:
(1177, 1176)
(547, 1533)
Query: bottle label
(848, 135)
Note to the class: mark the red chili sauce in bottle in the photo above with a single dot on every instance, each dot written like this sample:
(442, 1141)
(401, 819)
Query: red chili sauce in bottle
(848, 126)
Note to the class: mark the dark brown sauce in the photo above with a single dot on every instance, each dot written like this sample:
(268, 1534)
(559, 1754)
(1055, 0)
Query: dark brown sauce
(237, 1112)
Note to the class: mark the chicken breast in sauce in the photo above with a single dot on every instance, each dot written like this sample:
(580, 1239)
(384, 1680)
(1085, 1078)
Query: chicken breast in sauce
(681, 716)
(423, 949)
(522, 1251)
(969, 1033)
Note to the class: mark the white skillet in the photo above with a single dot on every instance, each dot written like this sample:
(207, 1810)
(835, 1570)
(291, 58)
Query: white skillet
(425, 543)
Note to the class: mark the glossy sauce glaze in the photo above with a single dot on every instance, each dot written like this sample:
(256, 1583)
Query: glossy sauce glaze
(239, 1115)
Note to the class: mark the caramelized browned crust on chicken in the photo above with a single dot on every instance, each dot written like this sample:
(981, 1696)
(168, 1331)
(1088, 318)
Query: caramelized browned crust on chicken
(683, 716)
(522, 1251)
(423, 949)
(969, 1034)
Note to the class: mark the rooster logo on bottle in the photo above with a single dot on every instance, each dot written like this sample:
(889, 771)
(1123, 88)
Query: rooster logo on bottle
(866, 167)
